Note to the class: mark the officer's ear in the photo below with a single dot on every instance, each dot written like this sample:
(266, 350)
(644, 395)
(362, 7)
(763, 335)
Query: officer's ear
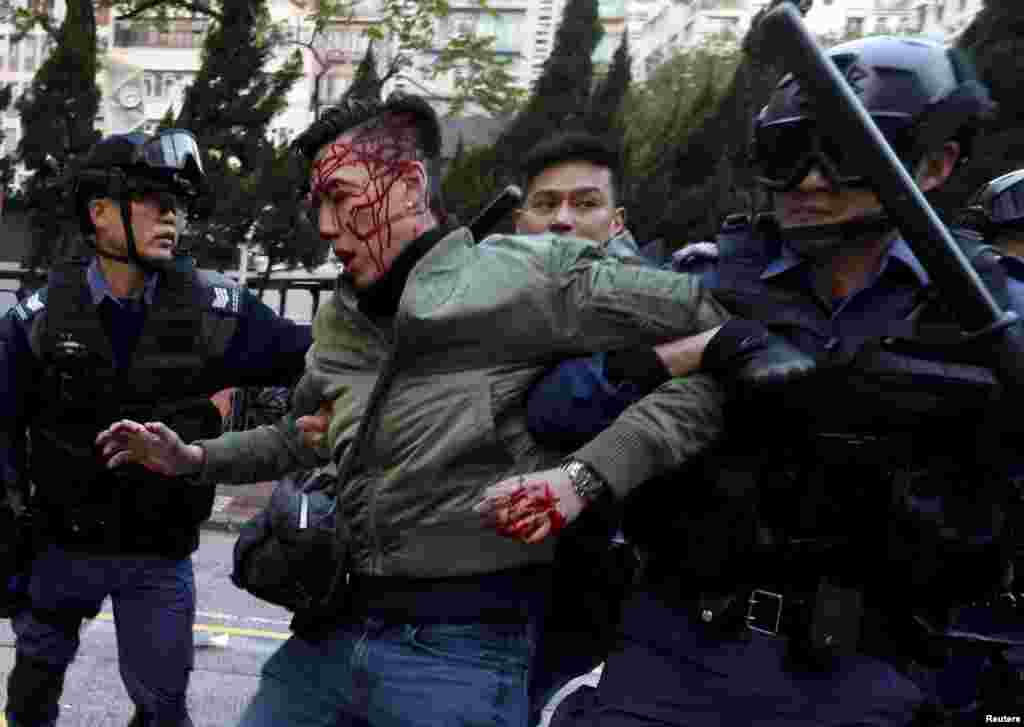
(937, 166)
(100, 210)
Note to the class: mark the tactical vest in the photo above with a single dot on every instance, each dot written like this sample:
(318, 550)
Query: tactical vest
(81, 392)
(885, 471)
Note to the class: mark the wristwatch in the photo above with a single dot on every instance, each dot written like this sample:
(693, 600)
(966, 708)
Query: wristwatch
(589, 485)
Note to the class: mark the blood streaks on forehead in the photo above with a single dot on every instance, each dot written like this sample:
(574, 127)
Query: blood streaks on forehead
(380, 147)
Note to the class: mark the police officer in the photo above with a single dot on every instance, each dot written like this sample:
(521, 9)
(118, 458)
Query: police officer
(801, 571)
(136, 330)
(997, 211)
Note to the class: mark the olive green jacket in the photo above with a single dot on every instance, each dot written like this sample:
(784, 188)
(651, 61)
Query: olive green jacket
(475, 327)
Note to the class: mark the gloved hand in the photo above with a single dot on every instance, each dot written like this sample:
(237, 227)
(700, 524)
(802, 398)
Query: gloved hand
(992, 273)
(750, 354)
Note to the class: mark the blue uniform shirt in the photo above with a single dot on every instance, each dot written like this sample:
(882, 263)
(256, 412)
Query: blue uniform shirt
(264, 350)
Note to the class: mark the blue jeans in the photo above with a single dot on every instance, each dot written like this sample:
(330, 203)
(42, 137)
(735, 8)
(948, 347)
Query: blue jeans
(372, 674)
(154, 610)
(670, 672)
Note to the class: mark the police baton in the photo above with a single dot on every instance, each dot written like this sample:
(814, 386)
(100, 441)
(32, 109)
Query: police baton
(840, 110)
(500, 206)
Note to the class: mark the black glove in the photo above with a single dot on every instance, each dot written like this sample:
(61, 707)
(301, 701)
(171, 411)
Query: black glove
(750, 354)
(992, 273)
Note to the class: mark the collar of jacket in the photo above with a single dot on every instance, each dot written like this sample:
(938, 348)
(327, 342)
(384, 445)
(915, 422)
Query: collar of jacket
(380, 300)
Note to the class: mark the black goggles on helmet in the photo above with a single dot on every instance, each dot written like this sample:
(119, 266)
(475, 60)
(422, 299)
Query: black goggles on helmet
(172, 157)
(785, 151)
(1001, 202)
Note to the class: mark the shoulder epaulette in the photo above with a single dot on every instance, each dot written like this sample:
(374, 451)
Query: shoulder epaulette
(226, 298)
(30, 306)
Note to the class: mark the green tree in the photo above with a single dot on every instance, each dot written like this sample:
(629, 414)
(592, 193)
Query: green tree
(58, 114)
(5, 101)
(561, 94)
(228, 107)
(366, 84)
(473, 177)
(659, 117)
(995, 41)
(606, 103)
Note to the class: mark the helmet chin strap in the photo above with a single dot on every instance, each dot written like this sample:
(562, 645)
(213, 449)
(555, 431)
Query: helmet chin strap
(821, 242)
(133, 257)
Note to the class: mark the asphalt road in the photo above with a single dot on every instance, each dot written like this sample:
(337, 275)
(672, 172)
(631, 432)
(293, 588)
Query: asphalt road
(234, 634)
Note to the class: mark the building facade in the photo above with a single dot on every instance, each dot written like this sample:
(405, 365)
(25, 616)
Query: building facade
(673, 26)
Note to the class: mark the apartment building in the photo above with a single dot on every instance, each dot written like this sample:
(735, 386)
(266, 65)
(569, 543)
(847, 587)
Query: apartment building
(681, 24)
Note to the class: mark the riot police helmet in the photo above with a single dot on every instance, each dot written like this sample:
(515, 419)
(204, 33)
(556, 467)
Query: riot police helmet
(919, 93)
(125, 166)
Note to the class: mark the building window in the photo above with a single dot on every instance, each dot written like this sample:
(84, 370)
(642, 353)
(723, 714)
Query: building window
(855, 26)
(178, 33)
(14, 58)
(882, 25)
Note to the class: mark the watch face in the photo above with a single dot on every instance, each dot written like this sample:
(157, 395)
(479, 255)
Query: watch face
(129, 97)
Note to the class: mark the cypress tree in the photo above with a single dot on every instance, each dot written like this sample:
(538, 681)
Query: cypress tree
(995, 41)
(229, 107)
(561, 95)
(366, 84)
(57, 119)
(610, 93)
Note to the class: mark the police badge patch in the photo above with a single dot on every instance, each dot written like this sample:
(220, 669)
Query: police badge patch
(29, 307)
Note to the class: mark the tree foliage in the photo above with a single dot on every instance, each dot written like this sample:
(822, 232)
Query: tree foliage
(57, 121)
(995, 41)
(403, 33)
(603, 118)
(229, 106)
(366, 84)
(561, 94)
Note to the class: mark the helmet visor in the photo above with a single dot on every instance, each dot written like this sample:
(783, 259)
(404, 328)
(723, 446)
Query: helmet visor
(786, 151)
(174, 149)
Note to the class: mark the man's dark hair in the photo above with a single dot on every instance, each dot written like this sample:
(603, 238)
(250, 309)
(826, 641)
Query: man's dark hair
(401, 113)
(573, 147)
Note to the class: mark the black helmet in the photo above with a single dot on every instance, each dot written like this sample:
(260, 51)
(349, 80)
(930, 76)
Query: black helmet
(167, 162)
(919, 93)
(122, 165)
(998, 205)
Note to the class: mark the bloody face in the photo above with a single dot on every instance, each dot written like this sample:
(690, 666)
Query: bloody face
(368, 192)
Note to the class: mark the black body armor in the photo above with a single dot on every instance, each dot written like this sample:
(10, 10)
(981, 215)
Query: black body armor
(81, 503)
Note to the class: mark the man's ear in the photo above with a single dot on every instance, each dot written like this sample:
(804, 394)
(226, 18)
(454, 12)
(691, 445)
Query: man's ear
(618, 221)
(937, 166)
(414, 174)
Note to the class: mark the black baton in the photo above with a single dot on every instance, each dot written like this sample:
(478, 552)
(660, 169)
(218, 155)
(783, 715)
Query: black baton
(504, 203)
